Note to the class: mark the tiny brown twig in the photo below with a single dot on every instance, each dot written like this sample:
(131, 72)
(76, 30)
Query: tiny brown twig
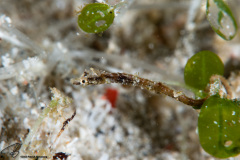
(97, 77)
(60, 156)
(65, 123)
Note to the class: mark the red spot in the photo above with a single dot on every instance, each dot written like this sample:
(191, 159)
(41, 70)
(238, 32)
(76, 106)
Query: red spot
(111, 95)
(25, 82)
(169, 147)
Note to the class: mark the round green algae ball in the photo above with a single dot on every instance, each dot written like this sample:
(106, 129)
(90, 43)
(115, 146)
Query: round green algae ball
(219, 127)
(201, 67)
(96, 17)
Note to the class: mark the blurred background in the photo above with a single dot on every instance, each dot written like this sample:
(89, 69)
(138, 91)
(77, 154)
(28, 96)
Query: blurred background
(41, 46)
